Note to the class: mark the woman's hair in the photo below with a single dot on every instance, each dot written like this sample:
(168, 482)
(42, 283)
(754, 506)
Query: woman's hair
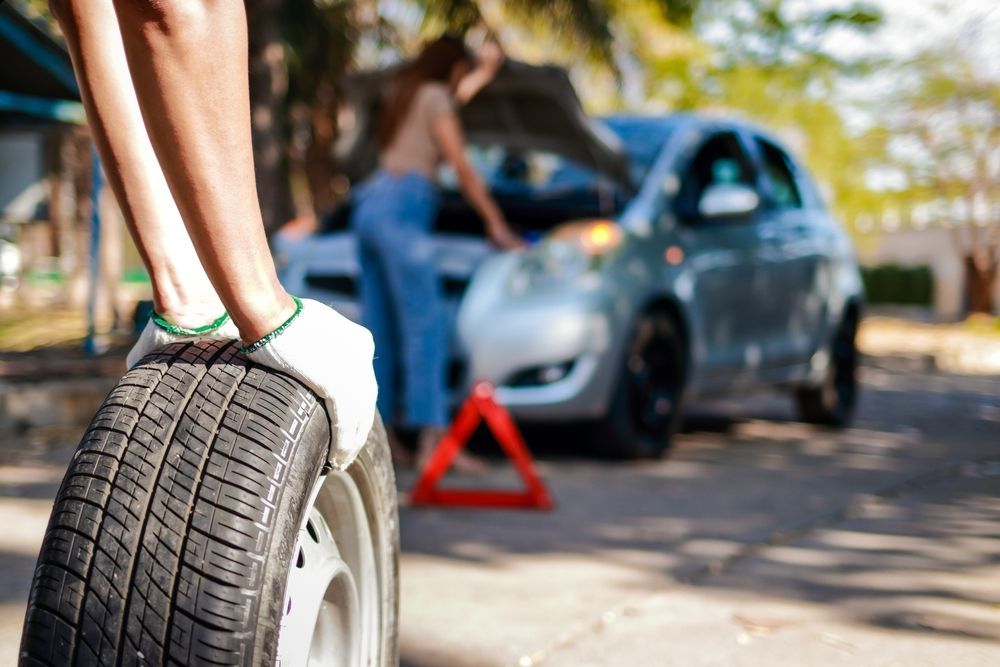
(435, 63)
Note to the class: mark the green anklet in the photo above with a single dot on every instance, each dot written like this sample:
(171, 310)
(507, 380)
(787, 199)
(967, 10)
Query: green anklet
(170, 327)
(253, 347)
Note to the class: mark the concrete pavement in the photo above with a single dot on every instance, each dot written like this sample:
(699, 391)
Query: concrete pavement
(759, 541)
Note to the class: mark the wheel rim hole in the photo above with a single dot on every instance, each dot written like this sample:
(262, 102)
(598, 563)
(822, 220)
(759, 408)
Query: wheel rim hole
(311, 529)
(300, 561)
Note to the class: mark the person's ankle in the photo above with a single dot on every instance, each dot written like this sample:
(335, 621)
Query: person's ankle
(259, 316)
(190, 314)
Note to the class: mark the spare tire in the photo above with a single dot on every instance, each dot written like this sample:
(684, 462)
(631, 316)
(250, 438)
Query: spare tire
(196, 500)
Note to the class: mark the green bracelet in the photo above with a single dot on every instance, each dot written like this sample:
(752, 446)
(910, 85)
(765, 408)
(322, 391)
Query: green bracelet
(170, 327)
(253, 347)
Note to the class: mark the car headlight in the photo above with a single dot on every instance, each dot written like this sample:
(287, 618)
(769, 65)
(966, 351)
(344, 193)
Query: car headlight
(570, 251)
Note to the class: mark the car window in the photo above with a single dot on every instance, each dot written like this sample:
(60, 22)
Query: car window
(720, 160)
(778, 172)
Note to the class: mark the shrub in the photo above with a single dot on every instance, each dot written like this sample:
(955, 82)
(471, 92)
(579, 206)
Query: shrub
(902, 285)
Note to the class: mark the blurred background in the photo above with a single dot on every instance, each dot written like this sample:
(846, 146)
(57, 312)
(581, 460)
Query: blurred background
(894, 107)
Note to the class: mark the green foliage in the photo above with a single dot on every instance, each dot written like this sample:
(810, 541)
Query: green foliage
(36, 9)
(946, 129)
(766, 33)
(583, 26)
(898, 285)
(320, 38)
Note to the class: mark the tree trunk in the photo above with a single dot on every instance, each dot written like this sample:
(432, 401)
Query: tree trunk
(110, 259)
(82, 182)
(980, 277)
(62, 210)
(319, 168)
(268, 88)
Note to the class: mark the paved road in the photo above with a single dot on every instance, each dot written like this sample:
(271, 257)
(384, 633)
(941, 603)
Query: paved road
(759, 541)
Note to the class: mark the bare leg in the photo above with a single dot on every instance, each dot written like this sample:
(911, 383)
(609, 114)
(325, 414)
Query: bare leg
(188, 60)
(181, 289)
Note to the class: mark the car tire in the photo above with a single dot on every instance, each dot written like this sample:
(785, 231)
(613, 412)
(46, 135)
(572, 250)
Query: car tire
(832, 402)
(645, 409)
(195, 495)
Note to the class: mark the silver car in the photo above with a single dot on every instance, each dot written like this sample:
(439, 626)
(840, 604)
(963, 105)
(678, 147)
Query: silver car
(724, 272)
(673, 258)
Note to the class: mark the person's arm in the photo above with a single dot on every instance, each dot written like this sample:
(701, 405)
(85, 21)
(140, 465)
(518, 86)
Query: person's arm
(448, 134)
(188, 62)
(490, 58)
(188, 66)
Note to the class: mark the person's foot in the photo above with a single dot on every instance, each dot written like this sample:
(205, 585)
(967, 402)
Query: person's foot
(401, 456)
(464, 463)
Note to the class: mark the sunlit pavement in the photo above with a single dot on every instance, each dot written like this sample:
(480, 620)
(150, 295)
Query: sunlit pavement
(759, 541)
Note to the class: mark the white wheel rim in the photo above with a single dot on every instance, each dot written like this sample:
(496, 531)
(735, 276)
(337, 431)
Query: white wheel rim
(331, 608)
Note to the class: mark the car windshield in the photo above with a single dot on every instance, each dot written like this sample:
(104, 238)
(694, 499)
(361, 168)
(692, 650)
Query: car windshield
(537, 173)
(643, 138)
(533, 173)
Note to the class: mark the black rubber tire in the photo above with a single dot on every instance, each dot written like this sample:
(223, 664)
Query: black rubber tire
(624, 432)
(832, 403)
(171, 536)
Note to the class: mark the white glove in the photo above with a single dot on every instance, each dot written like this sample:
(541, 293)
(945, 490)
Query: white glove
(160, 333)
(333, 357)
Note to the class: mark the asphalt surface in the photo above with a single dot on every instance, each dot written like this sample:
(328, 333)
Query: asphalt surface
(759, 541)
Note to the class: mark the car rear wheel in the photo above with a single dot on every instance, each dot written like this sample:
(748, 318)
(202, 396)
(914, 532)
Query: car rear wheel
(832, 402)
(646, 406)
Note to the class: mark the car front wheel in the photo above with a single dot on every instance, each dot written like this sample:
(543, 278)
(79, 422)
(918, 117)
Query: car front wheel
(646, 406)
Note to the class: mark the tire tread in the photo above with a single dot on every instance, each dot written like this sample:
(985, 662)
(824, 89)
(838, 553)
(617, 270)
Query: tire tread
(157, 547)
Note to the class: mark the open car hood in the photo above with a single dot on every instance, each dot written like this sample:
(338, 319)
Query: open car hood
(526, 107)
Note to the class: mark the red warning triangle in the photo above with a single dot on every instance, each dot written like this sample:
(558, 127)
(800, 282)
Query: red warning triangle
(481, 405)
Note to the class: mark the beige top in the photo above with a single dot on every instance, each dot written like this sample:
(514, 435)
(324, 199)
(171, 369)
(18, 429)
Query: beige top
(414, 147)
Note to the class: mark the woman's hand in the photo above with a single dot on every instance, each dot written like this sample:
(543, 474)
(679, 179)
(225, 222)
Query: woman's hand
(490, 56)
(502, 235)
(489, 59)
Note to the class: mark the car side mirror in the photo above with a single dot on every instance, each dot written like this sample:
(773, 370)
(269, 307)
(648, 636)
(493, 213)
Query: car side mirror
(724, 200)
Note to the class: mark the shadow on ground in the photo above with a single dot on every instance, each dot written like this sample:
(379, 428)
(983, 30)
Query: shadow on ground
(892, 522)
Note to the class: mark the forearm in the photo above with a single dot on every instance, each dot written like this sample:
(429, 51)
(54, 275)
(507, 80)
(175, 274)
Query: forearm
(181, 290)
(189, 66)
(472, 83)
(476, 193)
(491, 58)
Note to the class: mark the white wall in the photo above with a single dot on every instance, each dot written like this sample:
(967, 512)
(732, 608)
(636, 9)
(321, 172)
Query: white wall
(934, 247)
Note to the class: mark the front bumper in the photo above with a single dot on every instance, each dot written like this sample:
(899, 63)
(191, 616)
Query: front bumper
(551, 357)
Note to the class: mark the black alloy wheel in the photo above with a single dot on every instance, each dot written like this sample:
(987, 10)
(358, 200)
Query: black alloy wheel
(646, 407)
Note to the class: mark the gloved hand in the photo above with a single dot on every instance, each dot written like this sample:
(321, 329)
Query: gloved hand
(160, 333)
(333, 357)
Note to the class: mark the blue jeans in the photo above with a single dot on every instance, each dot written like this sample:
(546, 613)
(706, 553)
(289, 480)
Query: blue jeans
(401, 300)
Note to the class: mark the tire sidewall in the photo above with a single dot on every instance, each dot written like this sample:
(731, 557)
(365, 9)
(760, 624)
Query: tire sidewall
(292, 508)
(627, 438)
(372, 471)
